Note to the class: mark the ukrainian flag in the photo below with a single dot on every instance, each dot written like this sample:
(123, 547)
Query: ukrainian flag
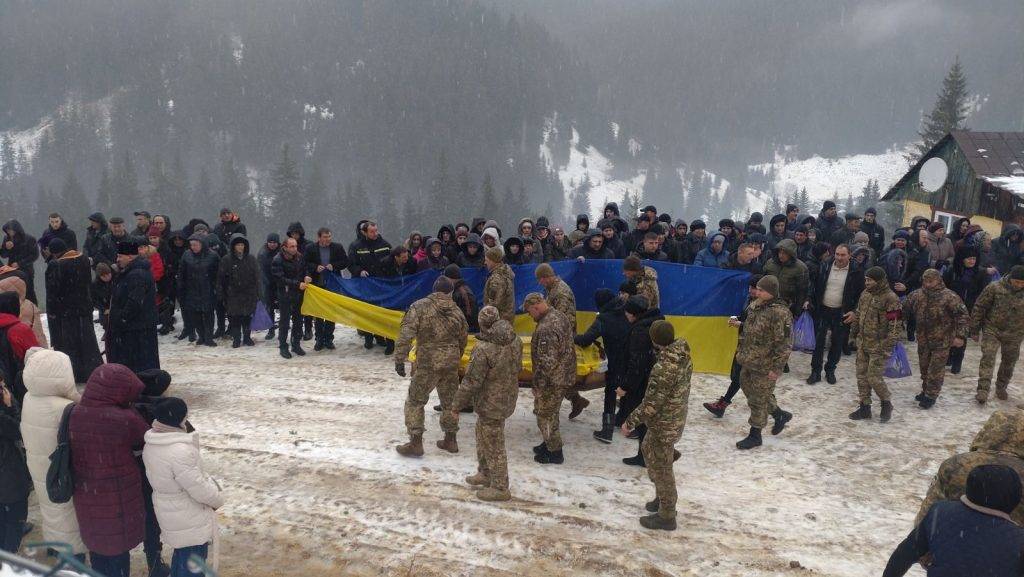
(698, 301)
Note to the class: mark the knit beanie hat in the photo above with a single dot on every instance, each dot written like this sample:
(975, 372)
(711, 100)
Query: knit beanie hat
(636, 305)
(994, 487)
(155, 381)
(827, 205)
(698, 224)
(452, 271)
(754, 279)
(870, 210)
(544, 270)
(1017, 272)
(152, 231)
(494, 254)
(444, 284)
(936, 226)
(663, 333)
(861, 238)
(877, 274)
(129, 246)
(769, 284)
(632, 264)
(602, 297)
(170, 411)
(57, 247)
(488, 316)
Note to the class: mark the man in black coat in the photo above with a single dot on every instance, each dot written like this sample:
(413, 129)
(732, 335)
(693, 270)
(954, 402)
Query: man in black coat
(613, 328)
(875, 232)
(238, 287)
(21, 252)
(197, 278)
(69, 308)
(98, 246)
(834, 297)
(56, 228)
(322, 258)
(133, 316)
(367, 254)
(640, 361)
(230, 224)
(289, 270)
(845, 235)
(268, 290)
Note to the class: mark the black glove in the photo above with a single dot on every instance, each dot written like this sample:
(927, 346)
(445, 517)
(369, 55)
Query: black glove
(400, 369)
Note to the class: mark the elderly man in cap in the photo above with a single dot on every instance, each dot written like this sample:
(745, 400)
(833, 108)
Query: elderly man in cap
(440, 330)
(133, 318)
(553, 356)
(142, 221)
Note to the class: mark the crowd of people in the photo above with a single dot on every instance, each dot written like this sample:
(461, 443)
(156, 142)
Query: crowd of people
(136, 459)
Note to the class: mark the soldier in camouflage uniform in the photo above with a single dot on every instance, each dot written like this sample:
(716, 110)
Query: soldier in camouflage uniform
(764, 347)
(440, 330)
(560, 297)
(644, 278)
(999, 316)
(876, 323)
(491, 386)
(553, 355)
(941, 323)
(663, 410)
(999, 442)
(500, 290)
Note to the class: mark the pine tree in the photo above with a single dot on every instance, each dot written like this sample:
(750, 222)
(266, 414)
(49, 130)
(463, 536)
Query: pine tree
(126, 186)
(234, 190)
(202, 192)
(521, 204)
(411, 217)
(581, 196)
(490, 207)
(949, 113)
(8, 159)
(464, 201)
(286, 191)
(804, 200)
(439, 206)
(160, 190)
(388, 218)
(179, 182)
(848, 206)
(24, 164)
(105, 192)
(314, 195)
(73, 203)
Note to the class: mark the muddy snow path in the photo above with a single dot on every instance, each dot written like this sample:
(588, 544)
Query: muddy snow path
(304, 451)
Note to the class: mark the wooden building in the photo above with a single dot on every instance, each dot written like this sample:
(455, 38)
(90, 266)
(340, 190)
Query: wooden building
(984, 180)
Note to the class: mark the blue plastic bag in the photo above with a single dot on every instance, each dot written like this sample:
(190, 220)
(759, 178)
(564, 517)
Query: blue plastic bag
(261, 321)
(899, 363)
(803, 333)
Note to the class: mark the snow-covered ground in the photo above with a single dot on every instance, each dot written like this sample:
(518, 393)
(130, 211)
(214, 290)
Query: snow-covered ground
(825, 177)
(304, 451)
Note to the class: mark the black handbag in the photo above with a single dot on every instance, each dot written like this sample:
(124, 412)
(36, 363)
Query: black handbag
(60, 485)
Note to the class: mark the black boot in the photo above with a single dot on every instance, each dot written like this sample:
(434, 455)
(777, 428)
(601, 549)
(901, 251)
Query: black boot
(318, 346)
(550, 457)
(886, 412)
(367, 341)
(308, 335)
(863, 412)
(637, 461)
(657, 522)
(297, 349)
(652, 506)
(271, 334)
(814, 379)
(285, 353)
(830, 376)
(753, 439)
(607, 428)
(926, 402)
(541, 448)
(781, 418)
(389, 348)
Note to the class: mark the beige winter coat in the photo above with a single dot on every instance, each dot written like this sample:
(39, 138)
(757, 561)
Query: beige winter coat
(29, 311)
(51, 386)
(184, 496)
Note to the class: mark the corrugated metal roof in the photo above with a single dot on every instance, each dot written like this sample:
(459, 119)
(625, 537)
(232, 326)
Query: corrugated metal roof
(992, 153)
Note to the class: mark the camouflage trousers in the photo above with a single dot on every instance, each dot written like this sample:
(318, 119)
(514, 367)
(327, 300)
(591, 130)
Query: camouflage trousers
(490, 452)
(1010, 351)
(423, 381)
(760, 393)
(658, 454)
(547, 402)
(933, 368)
(871, 374)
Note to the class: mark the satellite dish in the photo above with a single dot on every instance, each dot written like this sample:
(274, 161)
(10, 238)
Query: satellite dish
(933, 174)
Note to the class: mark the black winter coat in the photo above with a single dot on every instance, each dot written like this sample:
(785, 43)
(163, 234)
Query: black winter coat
(265, 259)
(24, 253)
(851, 290)
(288, 274)
(197, 278)
(99, 247)
(968, 283)
(133, 300)
(64, 233)
(640, 353)
(337, 258)
(238, 283)
(367, 255)
(15, 481)
(68, 281)
(391, 269)
(467, 303)
(613, 328)
(876, 235)
(225, 231)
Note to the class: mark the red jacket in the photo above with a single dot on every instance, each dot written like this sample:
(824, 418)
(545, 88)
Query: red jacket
(156, 266)
(108, 482)
(19, 335)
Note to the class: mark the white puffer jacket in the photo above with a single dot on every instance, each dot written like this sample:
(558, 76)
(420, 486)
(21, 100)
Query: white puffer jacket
(51, 386)
(184, 496)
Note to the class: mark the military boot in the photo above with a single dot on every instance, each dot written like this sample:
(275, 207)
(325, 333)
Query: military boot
(414, 448)
(981, 397)
(752, 440)
(653, 506)
(607, 428)
(886, 413)
(657, 522)
(550, 457)
(541, 448)
(928, 402)
(636, 461)
(862, 412)
(492, 494)
(367, 341)
(478, 480)
(1001, 394)
(449, 443)
(781, 418)
(285, 353)
(578, 404)
(718, 407)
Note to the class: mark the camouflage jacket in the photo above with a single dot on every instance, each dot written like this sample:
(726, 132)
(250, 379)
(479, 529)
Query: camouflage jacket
(999, 442)
(500, 292)
(767, 337)
(877, 324)
(439, 328)
(647, 287)
(560, 297)
(491, 384)
(941, 316)
(553, 351)
(999, 310)
(665, 403)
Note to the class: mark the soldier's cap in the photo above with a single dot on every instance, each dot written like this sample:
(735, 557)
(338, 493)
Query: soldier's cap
(116, 220)
(494, 254)
(994, 487)
(452, 271)
(144, 213)
(632, 264)
(544, 270)
(930, 274)
(533, 299)
(444, 284)
(663, 333)
(769, 284)
(1017, 272)
(877, 274)
(636, 305)
(487, 317)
